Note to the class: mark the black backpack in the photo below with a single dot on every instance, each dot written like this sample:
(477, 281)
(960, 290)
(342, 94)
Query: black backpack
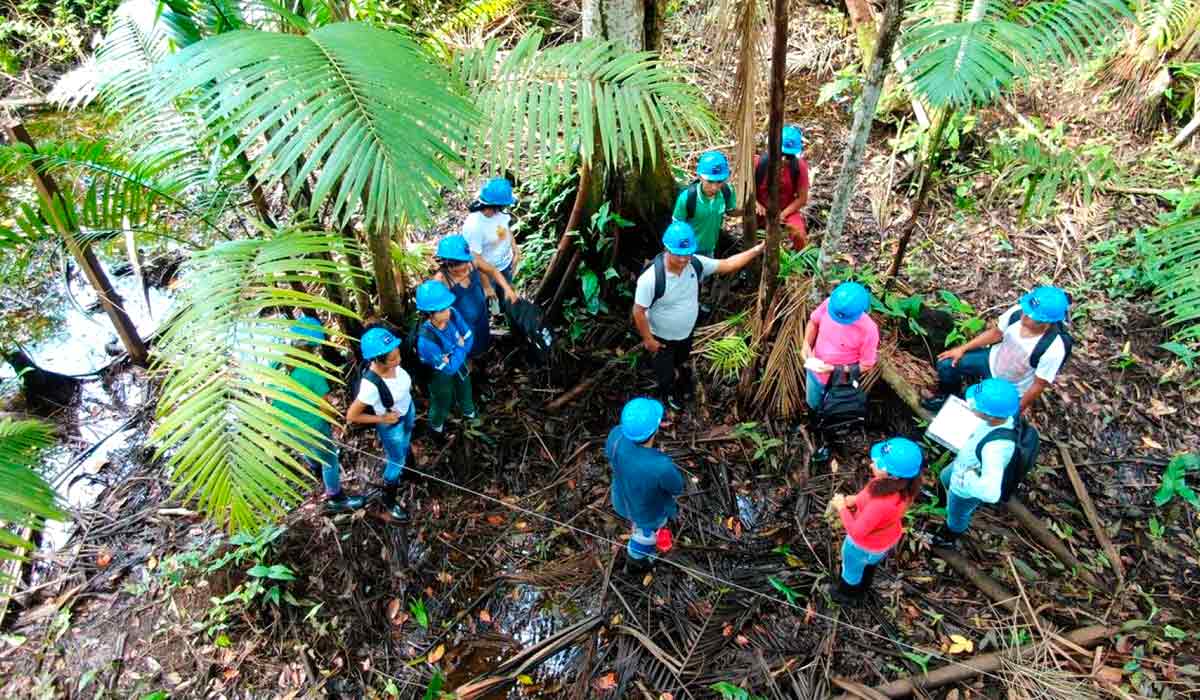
(693, 192)
(844, 404)
(527, 321)
(1024, 458)
(659, 263)
(1057, 330)
(410, 357)
(760, 171)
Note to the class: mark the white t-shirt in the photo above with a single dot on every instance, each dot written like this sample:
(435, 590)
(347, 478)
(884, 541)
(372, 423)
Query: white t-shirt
(1009, 359)
(490, 237)
(674, 315)
(972, 479)
(400, 386)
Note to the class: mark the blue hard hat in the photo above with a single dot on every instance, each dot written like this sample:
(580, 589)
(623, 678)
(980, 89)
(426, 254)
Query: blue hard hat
(309, 327)
(378, 342)
(849, 301)
(640, 419)
(898, 456)
(433, 295)
(453, 248)
(1046, 304)
(793, 140)
(713, 166)
(496, 192)
(680, 238)
(998, 398)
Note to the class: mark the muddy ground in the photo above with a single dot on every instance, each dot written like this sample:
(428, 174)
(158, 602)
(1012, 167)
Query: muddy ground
(514, 568)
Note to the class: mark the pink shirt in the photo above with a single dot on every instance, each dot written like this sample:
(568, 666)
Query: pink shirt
(840, 344)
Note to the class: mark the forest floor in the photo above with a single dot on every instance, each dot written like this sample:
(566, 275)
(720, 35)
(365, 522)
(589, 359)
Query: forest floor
(508, 582)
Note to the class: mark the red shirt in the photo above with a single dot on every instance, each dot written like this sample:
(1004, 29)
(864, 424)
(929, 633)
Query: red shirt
(788, 190)
(875, 523)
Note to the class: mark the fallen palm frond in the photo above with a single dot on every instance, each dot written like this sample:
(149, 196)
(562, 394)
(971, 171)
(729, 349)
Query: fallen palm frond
(26, 500)
(728, 356)
(781, 388)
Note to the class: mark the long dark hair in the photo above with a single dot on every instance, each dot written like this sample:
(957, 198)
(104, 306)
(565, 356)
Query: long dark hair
(908, 489)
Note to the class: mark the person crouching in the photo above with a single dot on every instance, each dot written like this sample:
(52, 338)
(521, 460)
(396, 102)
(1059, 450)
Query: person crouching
(874, 517)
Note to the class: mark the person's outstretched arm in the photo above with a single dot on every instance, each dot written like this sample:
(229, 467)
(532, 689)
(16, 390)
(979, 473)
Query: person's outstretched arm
(734, 263)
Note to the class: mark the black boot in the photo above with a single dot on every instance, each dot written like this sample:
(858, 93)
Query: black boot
(946, 538)
(846, 594)
(637, 568)
(934, 403)
(342, 503)
(390, 504)
(868, 579)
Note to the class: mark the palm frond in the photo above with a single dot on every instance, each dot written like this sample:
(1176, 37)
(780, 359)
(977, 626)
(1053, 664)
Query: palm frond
(964, 53)
(26, 500)
(452, 33)
(363, 110)
(587, 95)
(1174, 266)
(226, 359)
(1165, 22)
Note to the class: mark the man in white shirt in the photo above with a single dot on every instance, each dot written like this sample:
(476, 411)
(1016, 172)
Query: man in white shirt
(667, 303)
(976, 476)
(1027, 346)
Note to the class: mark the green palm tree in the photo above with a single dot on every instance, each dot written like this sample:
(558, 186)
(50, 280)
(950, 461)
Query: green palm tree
(26, 500)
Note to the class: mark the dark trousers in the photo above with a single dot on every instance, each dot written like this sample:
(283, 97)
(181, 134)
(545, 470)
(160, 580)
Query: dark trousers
(972, 368)
(674, 355)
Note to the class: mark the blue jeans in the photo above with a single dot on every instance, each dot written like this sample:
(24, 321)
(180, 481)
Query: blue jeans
(395, 439)
(973, 367)
(644, 541)
(325, 462)
(959, 509)
(814, 390)
(855, 559)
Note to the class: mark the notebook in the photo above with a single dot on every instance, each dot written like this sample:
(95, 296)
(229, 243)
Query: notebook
(953, 424)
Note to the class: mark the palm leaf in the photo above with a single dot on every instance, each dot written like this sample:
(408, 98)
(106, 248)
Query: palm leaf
(226, 359)
(26, 500)
(1174, 264)
(361, 109)
(1164, 22)
(588, 95)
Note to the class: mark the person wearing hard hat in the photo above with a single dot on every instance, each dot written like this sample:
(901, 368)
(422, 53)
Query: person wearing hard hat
(977, 473)
(839, 332)
(1027, 346)
(666, 305)
(793, 186)
(874, 517)
(384, 400)
(444, 343)
(706, 202)
(307, 416)
(488, 230)
(645, 482)
(458, 271)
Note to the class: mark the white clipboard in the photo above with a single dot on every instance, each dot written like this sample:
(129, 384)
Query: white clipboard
(953, 424)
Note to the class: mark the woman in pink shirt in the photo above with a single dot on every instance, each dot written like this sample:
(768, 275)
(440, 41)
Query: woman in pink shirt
(838, 333)
(874, 518)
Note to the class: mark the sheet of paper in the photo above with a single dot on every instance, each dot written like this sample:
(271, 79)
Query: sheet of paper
(953, 424)
(813, 364)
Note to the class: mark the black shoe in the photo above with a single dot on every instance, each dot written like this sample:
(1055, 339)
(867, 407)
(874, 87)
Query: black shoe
(675, 403)
(844, 593)
(933, 404)
(398, 513)
(821, 457)
(946, 538)
(868, 579)
(343, 503)
(638, 568)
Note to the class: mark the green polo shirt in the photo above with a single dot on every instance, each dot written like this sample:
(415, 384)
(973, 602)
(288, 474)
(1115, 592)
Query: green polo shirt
(315, 383)
(710, 216)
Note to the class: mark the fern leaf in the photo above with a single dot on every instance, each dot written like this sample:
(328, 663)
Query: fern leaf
(25, 498)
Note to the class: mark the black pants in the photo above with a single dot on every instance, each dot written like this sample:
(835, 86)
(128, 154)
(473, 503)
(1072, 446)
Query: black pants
(674, 355)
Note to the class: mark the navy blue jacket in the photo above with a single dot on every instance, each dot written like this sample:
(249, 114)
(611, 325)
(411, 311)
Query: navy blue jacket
(645, 481)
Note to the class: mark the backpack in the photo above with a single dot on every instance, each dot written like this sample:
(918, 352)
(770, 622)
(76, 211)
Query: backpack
(1058, 329)
(844, 404)
(1024, 458)
(410, 357)
(385, 394)
(760, 171)
(527, 321)
(660, 275)
(693, 193)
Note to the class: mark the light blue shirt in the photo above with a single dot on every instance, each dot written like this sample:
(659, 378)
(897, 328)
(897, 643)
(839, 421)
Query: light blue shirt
(972, 479)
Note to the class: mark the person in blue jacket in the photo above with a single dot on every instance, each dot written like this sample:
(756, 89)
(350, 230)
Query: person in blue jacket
(969, 480)
(460, 274)
(645, 481)
(444, 342)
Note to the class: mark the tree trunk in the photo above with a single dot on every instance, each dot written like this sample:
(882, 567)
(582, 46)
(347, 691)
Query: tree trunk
(864, 117)
(380, 243)
(864, 28)
(933, 149)
(770, 267)
(64, 222)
